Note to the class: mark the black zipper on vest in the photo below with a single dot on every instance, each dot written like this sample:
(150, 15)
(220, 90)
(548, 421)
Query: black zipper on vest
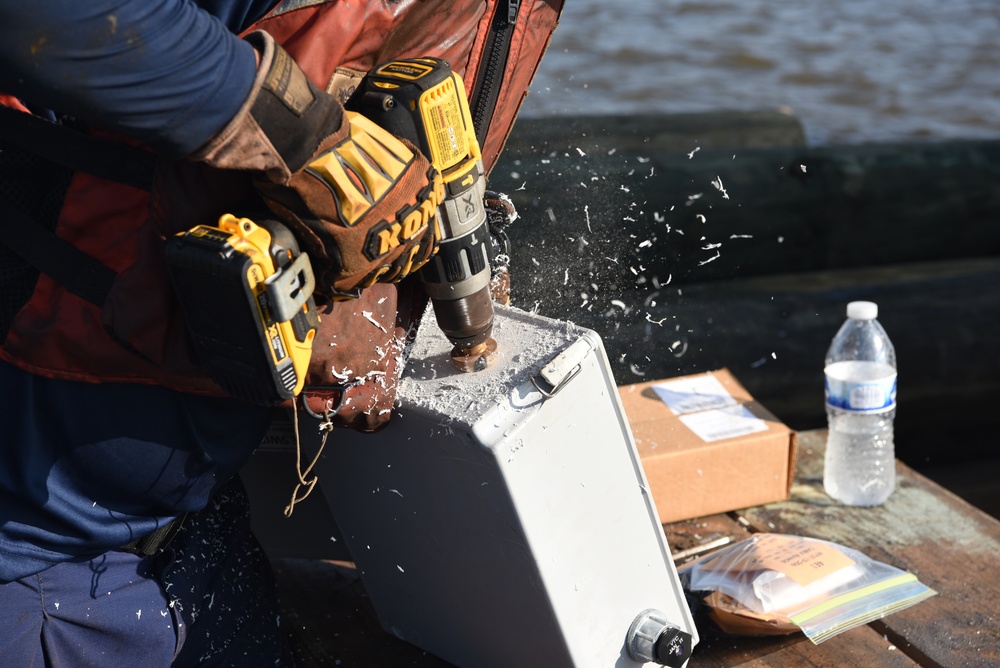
(491, 69)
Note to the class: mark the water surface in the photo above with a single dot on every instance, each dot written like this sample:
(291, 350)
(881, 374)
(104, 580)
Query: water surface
(854, 71)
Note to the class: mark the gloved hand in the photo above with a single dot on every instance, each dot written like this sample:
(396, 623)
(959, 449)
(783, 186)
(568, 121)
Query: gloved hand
(361, 201)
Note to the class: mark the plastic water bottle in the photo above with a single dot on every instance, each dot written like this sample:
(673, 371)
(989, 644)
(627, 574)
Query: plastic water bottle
(860, 466)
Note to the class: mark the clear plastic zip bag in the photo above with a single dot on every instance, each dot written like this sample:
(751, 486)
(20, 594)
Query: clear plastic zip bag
(776, 583)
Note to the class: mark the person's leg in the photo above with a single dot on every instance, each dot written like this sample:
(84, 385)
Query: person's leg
(209, 600)
(108, 611)
(21, 617)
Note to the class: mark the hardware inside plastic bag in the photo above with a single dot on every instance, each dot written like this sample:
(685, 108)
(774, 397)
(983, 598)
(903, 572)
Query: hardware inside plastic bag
(775, 583)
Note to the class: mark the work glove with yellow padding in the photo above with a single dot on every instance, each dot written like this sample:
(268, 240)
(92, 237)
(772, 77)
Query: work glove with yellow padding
(361, 202)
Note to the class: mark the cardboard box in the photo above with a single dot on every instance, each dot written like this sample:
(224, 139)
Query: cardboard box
(707, 446)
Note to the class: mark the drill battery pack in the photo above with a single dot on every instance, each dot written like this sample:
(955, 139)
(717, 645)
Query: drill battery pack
(246, 293)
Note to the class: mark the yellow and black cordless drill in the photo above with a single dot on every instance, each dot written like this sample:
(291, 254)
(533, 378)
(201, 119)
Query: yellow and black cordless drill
(424, 101)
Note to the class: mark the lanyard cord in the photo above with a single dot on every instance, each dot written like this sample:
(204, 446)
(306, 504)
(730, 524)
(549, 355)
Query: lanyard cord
(325, 427)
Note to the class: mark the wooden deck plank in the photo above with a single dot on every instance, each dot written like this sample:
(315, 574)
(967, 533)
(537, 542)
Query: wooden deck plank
(950, 545)
(859, 647)
(333, 625)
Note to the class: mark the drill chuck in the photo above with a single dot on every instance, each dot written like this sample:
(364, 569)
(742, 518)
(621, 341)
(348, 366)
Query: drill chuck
(466, 321)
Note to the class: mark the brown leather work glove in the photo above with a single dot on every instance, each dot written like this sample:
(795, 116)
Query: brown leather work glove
(361, 201)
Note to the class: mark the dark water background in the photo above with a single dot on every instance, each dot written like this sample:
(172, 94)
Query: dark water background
(853, 72)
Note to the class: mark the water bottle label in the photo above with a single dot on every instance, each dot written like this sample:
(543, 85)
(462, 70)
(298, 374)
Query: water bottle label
(871, 393)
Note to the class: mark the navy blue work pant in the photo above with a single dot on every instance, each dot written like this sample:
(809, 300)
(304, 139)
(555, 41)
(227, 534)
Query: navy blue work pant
(209, 600)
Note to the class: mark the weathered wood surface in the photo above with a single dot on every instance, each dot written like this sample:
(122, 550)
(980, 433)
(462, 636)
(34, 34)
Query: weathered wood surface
(950, 545)
(862, 646)
(977, 481)
(333, 625)
(858, 648)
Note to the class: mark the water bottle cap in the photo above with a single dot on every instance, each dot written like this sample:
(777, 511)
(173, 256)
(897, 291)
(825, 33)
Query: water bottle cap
(862, 310)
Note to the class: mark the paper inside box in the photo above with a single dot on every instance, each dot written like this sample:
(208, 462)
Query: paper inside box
(707, 446)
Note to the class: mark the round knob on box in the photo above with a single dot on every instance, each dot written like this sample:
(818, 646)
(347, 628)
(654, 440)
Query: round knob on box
(652, 638)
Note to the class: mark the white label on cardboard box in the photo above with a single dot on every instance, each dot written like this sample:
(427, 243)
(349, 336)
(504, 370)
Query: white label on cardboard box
(728, 422)
(697, 393)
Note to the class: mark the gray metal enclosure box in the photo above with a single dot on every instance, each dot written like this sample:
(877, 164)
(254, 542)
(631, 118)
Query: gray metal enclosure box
(502, 519)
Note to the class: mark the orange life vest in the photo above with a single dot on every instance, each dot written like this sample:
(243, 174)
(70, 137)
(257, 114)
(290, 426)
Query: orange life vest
(138, 334)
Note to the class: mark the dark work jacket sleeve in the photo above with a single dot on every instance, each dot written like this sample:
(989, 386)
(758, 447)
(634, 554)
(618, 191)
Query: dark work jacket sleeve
(170, 73)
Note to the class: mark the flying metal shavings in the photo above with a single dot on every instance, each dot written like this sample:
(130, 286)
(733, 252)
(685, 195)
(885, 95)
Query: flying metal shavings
(659, 322)
(711, 259)
(368, 316)
(718, 186)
